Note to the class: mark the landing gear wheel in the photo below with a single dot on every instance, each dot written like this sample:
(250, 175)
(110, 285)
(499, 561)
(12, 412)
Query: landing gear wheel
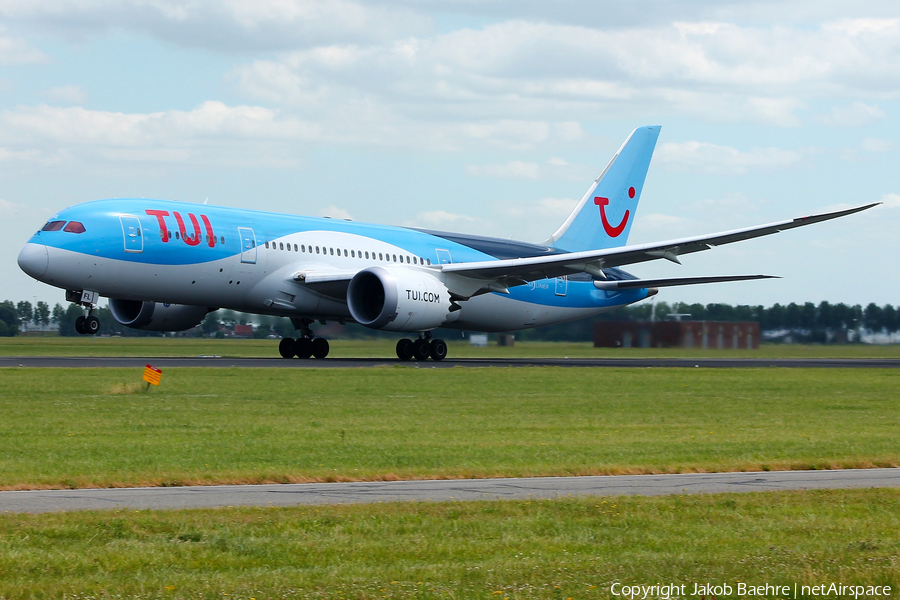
(405, 349)
(91, 325)
(438, 349)
(79, 325)
(286, 348)
(303, 347)
(421, 349)
(320, 347)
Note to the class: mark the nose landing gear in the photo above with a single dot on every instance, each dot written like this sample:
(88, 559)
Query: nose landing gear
(88, 324)
(422, 348)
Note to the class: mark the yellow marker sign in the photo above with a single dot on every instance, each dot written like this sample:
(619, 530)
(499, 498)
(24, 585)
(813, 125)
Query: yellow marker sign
(152, 375)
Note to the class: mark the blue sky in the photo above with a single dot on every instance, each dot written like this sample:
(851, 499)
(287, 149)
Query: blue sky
(489, 117)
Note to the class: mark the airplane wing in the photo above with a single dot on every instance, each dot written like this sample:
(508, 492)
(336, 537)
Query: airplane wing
(499, 274)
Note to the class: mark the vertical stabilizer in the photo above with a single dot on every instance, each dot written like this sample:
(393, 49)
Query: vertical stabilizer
(603, 217)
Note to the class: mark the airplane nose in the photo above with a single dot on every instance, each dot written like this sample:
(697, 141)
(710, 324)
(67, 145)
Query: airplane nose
(33, 259)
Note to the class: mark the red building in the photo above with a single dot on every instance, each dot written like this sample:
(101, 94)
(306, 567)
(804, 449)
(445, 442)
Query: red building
(722, 335)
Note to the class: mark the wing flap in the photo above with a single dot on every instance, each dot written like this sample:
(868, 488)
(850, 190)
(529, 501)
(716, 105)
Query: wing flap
(628, 284)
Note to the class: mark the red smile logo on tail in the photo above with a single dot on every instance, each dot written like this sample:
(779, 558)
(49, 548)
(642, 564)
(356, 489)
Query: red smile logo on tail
(618, 229)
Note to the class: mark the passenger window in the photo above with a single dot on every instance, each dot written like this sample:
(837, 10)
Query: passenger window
(53, 226)
(367, 254)
(177, 236)
(353, 254)
(280, 246)
(415, 262)
(429, 261)
(76, 227)
(222, 239)
(380, 256)
(295, 248)
(302, 247)
(267, 244)
(332, 251)
(317, 249)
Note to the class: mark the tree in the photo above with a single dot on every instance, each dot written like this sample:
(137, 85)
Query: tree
(873, 317)
(25, 312)
(890, 317)
(67, 323)
(210, 323)
(59, 313)
(9, 318)
(42, 313)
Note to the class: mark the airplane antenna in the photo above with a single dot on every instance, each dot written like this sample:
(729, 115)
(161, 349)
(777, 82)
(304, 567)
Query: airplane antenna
(207, 200)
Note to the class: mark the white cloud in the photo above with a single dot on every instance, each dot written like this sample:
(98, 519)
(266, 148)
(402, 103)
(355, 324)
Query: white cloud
(439, 217)
(71, 94)
(552, 210)
(498, 83)
(877, 145)
(553, 169)
(702, 157)
(515, 169)
(18, 52)
(213, 132)
(335, 212)
(890, 200)
(224, 25)
(852, 115)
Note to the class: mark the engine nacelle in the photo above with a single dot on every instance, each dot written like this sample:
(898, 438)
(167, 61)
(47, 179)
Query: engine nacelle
(153, 316)
(399, 299)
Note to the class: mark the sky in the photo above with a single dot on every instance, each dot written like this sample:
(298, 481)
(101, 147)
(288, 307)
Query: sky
(489, 117)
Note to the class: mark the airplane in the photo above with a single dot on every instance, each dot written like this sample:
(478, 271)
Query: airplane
(165, 265)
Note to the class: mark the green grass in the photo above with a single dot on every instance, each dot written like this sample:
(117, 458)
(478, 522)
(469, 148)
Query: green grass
(102, 346)
(572, 548)
(95, 427)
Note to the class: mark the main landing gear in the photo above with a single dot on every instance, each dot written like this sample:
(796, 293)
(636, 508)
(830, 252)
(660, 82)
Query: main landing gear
(306, 345)
(422, 348)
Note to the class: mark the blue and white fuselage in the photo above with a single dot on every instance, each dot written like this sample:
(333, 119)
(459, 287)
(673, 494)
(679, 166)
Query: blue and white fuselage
(164, 265)
(150, 250)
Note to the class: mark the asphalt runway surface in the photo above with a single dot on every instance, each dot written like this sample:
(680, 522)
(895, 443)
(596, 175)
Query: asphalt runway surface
(339, 363)
(370, 492)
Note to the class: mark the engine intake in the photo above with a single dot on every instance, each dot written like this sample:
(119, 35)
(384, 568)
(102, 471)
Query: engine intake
(153, 316)
(399, 299)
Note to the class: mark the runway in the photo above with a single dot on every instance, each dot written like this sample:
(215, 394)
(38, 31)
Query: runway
(344, 363)
(41, 501)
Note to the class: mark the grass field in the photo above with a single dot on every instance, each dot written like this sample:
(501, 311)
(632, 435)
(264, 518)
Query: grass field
(574, 548)
(102, 346)
(96, 427)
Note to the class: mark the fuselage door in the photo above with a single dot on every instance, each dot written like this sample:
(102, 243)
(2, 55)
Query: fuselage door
(443, 257)
(248, 245)
(131, 229)
(562, 285)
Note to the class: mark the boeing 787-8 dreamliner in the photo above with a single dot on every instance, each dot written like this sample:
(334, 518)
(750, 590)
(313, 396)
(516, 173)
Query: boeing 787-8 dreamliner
(164, 265)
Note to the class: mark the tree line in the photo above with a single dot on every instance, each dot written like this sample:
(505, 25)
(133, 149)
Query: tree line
(813, 319)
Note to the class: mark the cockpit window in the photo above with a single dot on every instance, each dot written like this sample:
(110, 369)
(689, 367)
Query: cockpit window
(53, 225)
(74, 227)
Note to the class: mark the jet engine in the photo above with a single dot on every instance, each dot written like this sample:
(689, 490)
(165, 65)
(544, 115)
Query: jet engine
(153, 316)
(399, 299)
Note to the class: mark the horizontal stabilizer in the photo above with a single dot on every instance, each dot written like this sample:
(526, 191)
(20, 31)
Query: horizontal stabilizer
(628, 284)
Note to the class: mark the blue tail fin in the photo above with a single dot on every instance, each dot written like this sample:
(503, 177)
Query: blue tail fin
(604, 216)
